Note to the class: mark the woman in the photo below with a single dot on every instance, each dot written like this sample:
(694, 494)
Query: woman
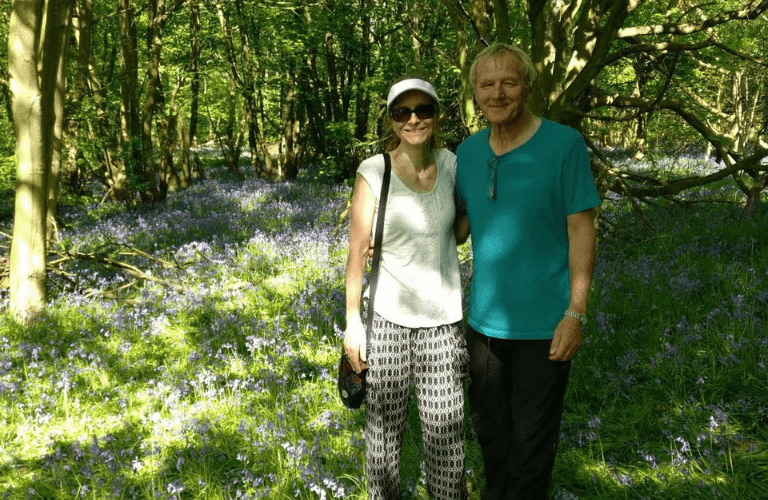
(418, 300)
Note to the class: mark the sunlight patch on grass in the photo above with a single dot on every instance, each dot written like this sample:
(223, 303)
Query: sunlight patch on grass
(226, 389)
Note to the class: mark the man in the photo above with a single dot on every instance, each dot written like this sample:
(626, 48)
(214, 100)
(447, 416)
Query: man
(529, 197)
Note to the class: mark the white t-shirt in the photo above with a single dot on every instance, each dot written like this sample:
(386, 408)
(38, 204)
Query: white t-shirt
(419, 283)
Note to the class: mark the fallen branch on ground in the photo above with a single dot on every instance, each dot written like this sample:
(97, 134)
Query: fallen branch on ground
(67, 255)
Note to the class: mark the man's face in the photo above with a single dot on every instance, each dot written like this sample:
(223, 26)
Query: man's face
(501, 89)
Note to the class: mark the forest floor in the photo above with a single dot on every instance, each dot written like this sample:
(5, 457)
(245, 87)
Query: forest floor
(217, 379)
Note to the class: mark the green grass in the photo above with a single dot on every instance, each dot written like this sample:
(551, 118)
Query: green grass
(226, 389)
(667, 397)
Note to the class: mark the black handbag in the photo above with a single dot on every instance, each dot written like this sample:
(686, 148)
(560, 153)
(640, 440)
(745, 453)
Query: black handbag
(351, 385)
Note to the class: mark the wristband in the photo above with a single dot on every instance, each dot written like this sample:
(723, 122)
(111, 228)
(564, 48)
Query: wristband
(573, 314)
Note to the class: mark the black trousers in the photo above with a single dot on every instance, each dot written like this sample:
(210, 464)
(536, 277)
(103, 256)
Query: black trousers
(516, 399)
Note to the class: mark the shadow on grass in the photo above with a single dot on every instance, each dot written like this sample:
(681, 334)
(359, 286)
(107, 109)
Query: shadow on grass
(119, 465)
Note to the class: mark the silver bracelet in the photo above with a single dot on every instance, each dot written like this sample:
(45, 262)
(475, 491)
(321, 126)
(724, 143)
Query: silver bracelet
(573, 314)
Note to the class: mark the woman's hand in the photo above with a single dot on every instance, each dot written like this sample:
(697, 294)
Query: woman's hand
(355, 343)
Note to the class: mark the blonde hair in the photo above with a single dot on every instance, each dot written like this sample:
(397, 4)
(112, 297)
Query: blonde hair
(499, 50)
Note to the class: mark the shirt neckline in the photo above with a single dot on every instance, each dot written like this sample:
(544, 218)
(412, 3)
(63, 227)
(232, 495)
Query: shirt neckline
(487, 140)
(418, 193)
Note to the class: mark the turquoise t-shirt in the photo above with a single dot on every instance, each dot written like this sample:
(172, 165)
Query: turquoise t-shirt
(520, 283)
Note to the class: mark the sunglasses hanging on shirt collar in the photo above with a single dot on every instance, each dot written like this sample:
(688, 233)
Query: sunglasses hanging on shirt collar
(491, 189)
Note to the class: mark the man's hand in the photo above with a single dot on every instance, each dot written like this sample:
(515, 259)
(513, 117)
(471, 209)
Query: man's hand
(567, 339)
(355, 344)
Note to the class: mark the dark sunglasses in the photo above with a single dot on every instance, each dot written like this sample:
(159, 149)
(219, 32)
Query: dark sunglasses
(423, 112)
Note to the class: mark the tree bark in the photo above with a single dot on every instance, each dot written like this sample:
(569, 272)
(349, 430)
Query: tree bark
(230, 144)
(130, 124)
(188, 137)
(310, 85)
(54, 64)
(28, 247)
(82, 19)
(467, 104)
(111, 168)
(363, 100)
(755, 192)
(150, 190)
(167, 131)
(36, 48)
(290, 167)
(333, 79)
(249, 32)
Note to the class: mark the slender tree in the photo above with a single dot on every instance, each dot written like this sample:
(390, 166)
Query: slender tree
(37, 47)
(154, 102)
(130, 122)
(189, 134)
(231, 142)
(53, 82)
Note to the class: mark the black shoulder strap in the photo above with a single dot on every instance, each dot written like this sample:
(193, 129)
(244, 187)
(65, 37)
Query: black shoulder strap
(377, 243)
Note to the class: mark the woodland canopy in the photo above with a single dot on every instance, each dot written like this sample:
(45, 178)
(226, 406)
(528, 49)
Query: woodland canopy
(127, 93)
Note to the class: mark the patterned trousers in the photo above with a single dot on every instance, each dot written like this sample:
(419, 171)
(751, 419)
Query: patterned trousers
(437, 360)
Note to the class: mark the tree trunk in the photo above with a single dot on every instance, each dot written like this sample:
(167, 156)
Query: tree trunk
(230, 145)
(36, 46)
(333, 80)
(188, 136)
(310, 97)
(759, 184)
(415, 42)
(290, 168)
(269, 166)
(185, 145)
(82, 18)
(363, 94)
(153, 102)
(167, 132)
(248, 33)
(130, 125)
(55, 47)
(467, 104)
(111, 166)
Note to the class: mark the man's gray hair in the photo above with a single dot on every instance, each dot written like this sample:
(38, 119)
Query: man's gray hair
(498, 50)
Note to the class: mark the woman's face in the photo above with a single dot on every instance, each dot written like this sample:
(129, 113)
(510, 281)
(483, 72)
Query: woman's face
(415, 131)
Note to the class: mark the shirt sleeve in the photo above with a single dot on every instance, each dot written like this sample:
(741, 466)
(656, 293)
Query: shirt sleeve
(579, 185)
(449, 160)
(372, 170)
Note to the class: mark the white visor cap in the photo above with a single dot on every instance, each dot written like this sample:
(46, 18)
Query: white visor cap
(411, 84)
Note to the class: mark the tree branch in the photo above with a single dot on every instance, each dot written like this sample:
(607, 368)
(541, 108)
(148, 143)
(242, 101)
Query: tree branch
(701, 102)
(66, 255)
(689, 28)
(428, 45)
(678, 107)
(751, 163)
(619, 185)
(637, 48)
(584, 66)
(472, 22)
(734, 52)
